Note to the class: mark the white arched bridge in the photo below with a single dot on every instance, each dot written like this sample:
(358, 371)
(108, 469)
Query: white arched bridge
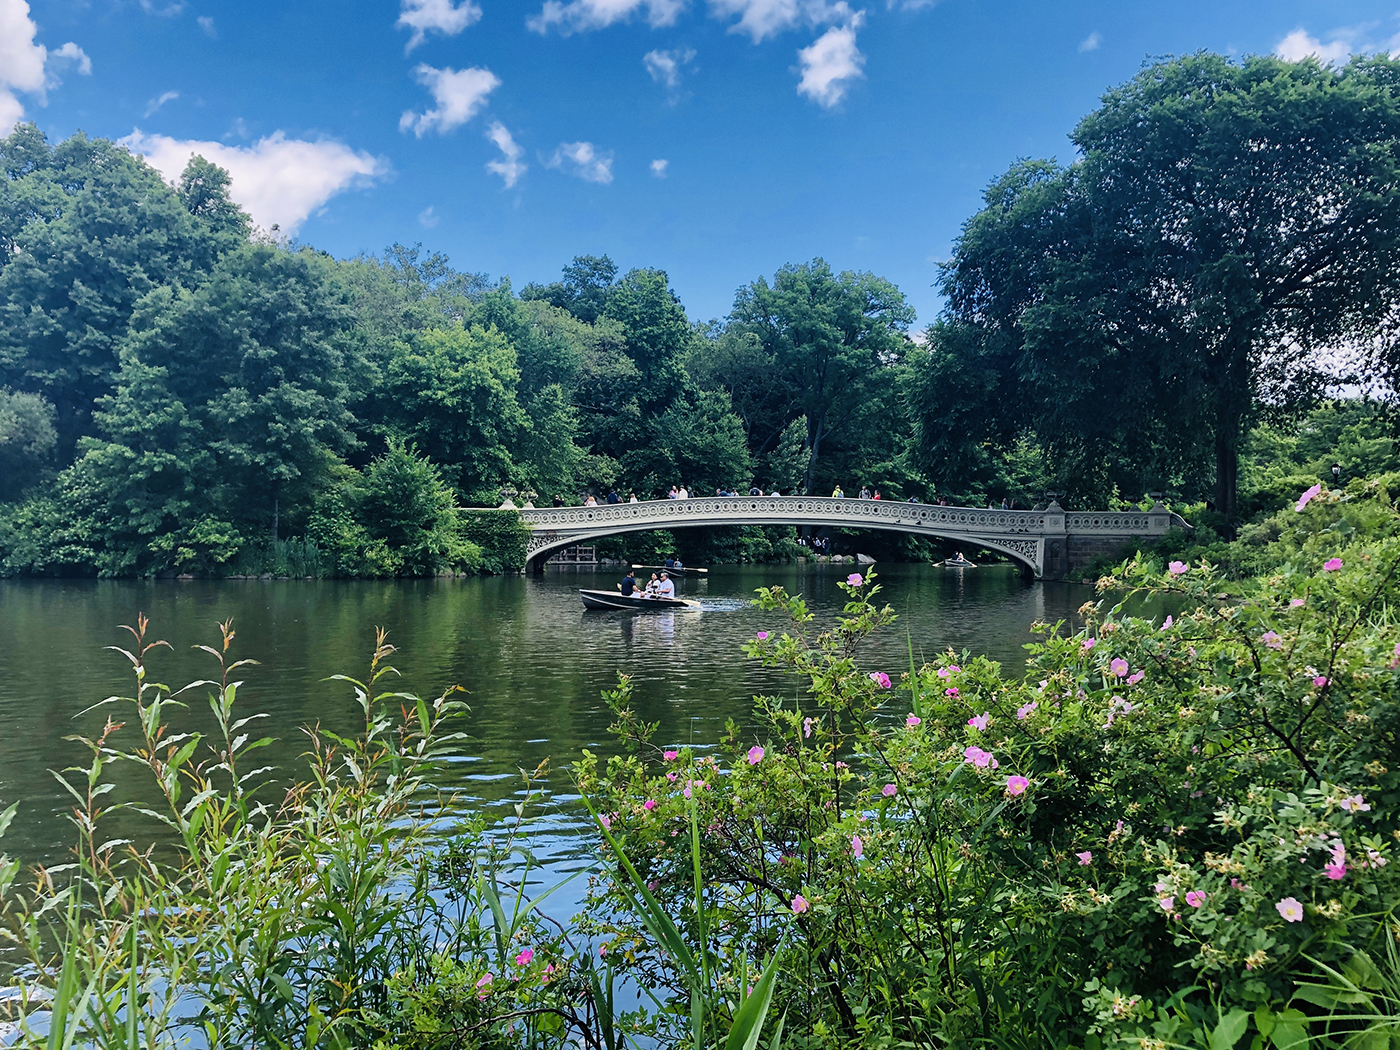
(1048, 543)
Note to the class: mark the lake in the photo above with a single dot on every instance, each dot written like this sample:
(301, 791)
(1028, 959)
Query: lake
(533, 662)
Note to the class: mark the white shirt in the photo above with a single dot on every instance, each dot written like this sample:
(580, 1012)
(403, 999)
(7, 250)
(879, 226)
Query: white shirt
(682, 494)
(666, 589)
(632, 500)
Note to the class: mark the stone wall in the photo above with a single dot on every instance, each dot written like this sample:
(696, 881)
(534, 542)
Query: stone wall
(1084, 549)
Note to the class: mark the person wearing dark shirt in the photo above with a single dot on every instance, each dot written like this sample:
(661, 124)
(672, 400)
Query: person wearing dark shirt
(613, 497)
(628, 584)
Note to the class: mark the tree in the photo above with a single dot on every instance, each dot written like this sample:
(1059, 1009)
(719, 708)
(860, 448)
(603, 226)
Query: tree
(584, 290)
(27, 440)
(1227, 223)
(830, 336)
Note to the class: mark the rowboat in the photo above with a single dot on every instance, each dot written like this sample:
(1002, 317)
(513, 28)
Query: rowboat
(678, 570)
(612, 600)
(958, 562)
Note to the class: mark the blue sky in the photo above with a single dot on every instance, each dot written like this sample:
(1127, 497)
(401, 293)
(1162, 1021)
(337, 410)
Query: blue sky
(715, 139)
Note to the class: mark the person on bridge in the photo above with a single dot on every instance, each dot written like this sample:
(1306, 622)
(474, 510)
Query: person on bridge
(682, 493)
(836, 493)
(673, 494)
(590, 501)
(632, 498)
(613, 497)
(864, 492)
(754, 490)
(665, 588)
(876, 494)
(628, 584)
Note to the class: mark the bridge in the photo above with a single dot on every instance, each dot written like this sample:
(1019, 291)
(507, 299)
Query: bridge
(1046, 543)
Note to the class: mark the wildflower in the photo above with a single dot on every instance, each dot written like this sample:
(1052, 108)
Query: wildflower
(1024, 711)
(1136, 677)
(1086, 858)
(855, 579)
(755, 755)
(1336, 872)
(670, 756)
(943, 672)
(649, 804)
(1355, 804)
(807, 726)
(857, 846)
(485, 981)
(912, 721)
(1375, 858)
(1272, 640)
(881, 679)
(1195, 898)
(1176, 568)
(979, 722)
(1332, 565)
(1307, 497)
(671, 776)
(952, 690)
(799, 904)
(888, 790)
(1319, 681)
(1089, 643)
(1168, 904)
(1119, 667)
(1297, 603)
(954, 669)
(763, 636)
(1290, 909)
(523, 959)
(1167, 622)
(1016, 785)
(979, 758)
(606, 821)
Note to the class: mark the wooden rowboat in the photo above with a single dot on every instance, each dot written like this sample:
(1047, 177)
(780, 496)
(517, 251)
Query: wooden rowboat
(612, 600)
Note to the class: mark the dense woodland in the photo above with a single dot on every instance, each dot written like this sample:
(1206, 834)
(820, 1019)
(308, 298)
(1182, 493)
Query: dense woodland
(180, 392)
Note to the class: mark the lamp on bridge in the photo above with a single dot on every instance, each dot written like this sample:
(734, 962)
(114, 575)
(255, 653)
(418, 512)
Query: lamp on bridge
(1336, 473)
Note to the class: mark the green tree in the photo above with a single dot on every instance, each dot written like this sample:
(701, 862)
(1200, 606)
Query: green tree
(832, 339)
(1228, 221)
(584, 291)
(27, 440)
(698, 441)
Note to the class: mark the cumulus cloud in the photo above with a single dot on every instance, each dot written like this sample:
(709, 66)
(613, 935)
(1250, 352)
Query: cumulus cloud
(168, 11)
(830, 64)
(438, 16)
(156, 103)
(509, 167)
(1298, 45)
(428, 218)
(658, 168)
(1090, 42)
(578, 15)
(207, 24)
(584, 160)
(278, 181)
(25, 64)
(458, 94)
(761, 19)
(665, 66)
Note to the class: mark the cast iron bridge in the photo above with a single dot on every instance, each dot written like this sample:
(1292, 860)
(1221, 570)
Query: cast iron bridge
(1047, 543)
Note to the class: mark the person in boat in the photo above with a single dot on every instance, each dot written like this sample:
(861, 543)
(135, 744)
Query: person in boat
(670, 561)
(652, 585)
(665, 588)
(677, 565)
(628, 584)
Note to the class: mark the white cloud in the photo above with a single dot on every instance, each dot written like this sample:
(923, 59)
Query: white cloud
(439, 16)
(830, 64)
(156, 103)
(665, 66)
(1090, 42)
(24, 62)
(578, 15)
(428, 218)
(278, 181)
(168, 11)
(658, 168)
(583, 160)
(761, 19)
(206, 23)
(509, 167)
(1297, 46)
(458, 94)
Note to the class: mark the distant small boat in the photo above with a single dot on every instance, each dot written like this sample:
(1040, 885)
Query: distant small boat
(678, 570)
(957, 562)
(613, 600)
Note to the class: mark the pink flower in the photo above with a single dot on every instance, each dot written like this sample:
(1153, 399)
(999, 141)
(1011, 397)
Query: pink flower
(1307, 497)
(888, 790)
(1336, 872)
(857, 846)
(755, 755)
(855, 579)
(649, 804)
(1195, 898)
(1320, 681)
(606, 821)
(670, 756)
(943, 672)
(1168, 904)
(954, 669)
(799, 904)
(1086, 858)
(979, 758)
(1355, 804)
(485, 982)
(807, 726)
(1176, 568)
(1089, 643)
(1272, 640)
(1136, 677)
(1297, 603)
(881, 679)
(912, 721)
(763, 636)
(1016, 785)
(1332, 565)
(523, 959)
(1167, 622)
(979, 722)
(1024, 711)
(952, 690)
(671, 776)
(1290, 909)
(1119, 667)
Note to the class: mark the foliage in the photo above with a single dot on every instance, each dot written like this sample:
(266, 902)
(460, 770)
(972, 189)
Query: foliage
(502, 537)
(27, 440)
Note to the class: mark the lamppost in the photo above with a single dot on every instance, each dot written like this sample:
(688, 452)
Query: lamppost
(1336, 473)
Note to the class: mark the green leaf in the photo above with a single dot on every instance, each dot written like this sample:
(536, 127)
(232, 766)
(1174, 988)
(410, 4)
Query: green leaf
(1227, 1033)
(748, 1022)
(1290, 1030)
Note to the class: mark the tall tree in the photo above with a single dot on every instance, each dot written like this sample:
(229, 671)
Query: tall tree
(584, 290)
(1228, 221)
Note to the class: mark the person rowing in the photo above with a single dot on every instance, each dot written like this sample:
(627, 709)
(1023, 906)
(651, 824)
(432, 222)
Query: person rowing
(665, 588)
(628, 584)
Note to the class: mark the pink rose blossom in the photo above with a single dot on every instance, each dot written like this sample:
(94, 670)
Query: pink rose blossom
(1336, 872)
(1024, 711)
(485, 982)
(523, 959)
(649, 804)
(1136, 677)
(606, 821)
(1086, 858)
(1167, 622)
(912, 721)
(763, 636)
(807, 726)
(952, 690)
(1167, 904)
(1119, 667)
(1320, 681)
(1307, 497)
(979, 722)
(670, 756)
(857, 846)
(888, 790)
(755, 755)
(979, 758)
(1290, 909)
(855, 579)
(1355, 804)
(1195, 898)
(1176, 568)
(1089, 643)
(943, 672)
(1016, 785)
(881, 679)
(1332, 565)
(1297, 603)
(799, 904)
(1272, 639)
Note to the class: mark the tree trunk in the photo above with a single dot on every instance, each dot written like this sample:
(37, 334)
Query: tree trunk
(1227, 465)
(275, 507)
(814, 441)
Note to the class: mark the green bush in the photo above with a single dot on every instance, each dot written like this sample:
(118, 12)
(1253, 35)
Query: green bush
(500, 535)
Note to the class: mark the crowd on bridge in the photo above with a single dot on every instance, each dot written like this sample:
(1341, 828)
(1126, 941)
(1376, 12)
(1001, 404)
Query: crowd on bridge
(680, 491)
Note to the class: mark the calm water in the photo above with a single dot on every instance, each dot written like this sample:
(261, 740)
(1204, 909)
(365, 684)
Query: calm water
(532, 660)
